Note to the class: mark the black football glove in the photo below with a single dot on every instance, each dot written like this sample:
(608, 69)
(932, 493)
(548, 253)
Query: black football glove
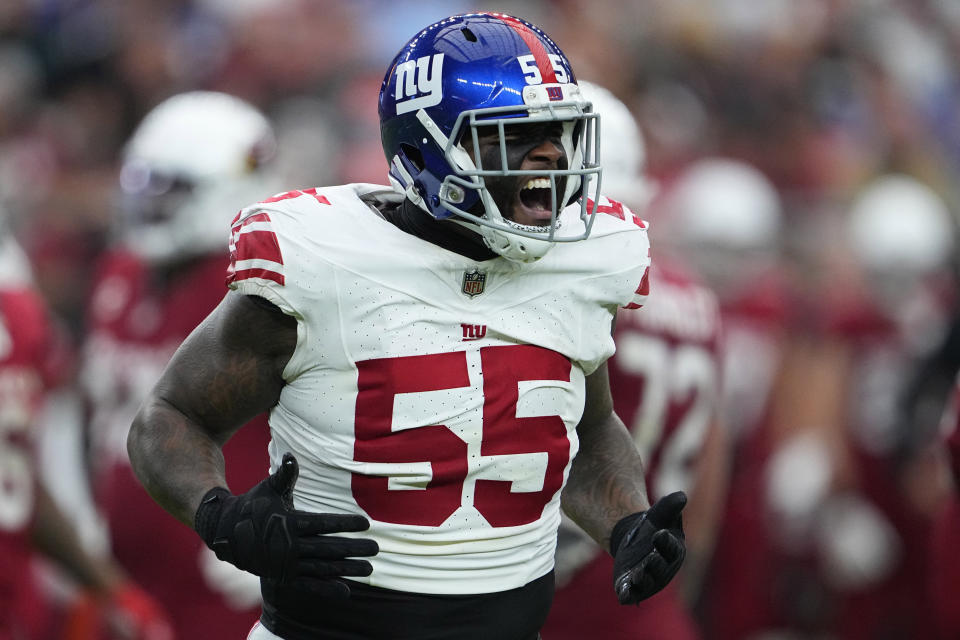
(260, 532)
(648, 549)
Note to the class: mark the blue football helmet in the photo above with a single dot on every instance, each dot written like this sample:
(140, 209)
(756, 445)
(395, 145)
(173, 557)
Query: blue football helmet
(470, 75)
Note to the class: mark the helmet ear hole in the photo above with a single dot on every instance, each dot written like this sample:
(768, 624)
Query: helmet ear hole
(413, 155)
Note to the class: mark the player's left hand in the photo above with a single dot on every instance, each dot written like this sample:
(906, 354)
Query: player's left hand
(648, 549)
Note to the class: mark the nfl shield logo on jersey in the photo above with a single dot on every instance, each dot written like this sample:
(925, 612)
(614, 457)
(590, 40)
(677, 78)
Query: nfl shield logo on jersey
(473, 282)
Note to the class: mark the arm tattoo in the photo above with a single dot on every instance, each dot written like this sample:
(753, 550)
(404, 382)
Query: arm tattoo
(174, 459)
(225, 373)
(606, 480)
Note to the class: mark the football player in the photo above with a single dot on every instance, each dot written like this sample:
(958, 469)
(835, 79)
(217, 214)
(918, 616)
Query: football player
(193, 161)
(30, 520)
(826, 507)
(432, 357)
(901, 234)
(725, 216)
(665, 380)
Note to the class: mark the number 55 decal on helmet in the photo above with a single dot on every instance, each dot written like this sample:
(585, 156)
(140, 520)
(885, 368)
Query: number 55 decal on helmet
(532, 70)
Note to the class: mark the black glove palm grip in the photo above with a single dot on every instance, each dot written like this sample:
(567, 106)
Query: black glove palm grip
(261, 532)
(648, 549)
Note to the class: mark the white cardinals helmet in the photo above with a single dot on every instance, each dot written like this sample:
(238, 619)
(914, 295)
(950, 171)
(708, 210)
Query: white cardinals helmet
(897, 223)
(623, 150)
(194, 161)
(728, 215)
(901, 234)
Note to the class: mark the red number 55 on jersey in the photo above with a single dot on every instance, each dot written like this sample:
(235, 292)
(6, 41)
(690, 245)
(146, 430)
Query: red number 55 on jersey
(504, 434)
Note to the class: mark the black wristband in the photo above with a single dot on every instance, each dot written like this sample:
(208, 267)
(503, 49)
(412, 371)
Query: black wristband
(622, 528)
(208, 514)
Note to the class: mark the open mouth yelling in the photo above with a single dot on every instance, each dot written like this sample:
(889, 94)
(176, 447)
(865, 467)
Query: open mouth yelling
(533, 207)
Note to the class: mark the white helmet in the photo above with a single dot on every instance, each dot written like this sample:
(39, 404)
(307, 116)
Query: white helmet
(623, 151)
(193, 162)
(897, 224)
(725, 202)
(729, 215)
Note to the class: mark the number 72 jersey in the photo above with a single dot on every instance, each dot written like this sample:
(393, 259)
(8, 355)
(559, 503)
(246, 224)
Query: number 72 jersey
(665, 376)
(437, 395)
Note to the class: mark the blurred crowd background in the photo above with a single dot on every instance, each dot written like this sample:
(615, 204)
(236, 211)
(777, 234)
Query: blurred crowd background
(820, 94)
(822, 97)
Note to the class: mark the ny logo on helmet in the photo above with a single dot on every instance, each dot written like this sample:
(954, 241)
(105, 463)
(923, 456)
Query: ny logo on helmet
(416, 77)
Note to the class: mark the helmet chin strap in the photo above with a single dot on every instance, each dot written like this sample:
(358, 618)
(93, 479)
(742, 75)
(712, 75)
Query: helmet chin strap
(514, 248)
(511, 246)
(406, 187)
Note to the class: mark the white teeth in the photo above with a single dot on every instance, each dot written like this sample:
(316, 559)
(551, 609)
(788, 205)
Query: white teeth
(537, 183)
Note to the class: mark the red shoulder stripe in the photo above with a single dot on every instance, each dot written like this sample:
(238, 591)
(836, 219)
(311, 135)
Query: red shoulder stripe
(255, 251)
(642, 291)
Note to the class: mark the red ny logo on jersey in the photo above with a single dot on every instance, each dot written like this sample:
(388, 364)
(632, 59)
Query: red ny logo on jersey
(473, 331)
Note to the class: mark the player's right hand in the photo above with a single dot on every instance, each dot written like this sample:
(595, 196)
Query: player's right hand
(261, 532)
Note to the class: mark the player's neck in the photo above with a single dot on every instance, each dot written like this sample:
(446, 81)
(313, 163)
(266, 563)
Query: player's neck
(410, 218)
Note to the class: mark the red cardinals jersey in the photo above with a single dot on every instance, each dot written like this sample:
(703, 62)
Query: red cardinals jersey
(136, 322)
(665, 375)
(25, 368)
(665, 379)
(741, 581)
(753, 325)
(872, 588)
(886, 346)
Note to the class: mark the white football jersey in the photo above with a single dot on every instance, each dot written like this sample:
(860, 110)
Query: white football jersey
(436, 395)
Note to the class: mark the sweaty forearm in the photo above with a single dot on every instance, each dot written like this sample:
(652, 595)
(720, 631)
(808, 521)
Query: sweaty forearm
(606, 479)
(174, 459)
